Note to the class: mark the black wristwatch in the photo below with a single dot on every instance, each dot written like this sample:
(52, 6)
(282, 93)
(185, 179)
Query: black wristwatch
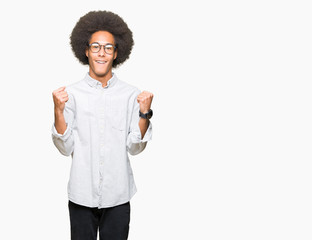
(147, 115)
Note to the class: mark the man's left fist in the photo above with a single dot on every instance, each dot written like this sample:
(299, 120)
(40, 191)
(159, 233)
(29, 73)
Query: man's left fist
(145, 101)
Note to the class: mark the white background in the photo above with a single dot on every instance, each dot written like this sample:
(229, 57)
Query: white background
(231, 151)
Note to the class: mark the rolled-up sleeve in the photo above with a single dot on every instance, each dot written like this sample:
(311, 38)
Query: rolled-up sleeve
(65, 142)
(135, 143)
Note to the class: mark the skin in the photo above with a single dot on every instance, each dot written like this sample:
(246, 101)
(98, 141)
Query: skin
(101, 71)
(100, 68)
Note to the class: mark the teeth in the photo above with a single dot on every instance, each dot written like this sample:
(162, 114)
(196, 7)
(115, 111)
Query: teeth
(100, 61)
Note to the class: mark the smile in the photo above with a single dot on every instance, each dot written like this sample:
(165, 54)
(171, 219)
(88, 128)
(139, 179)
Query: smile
(101, 62)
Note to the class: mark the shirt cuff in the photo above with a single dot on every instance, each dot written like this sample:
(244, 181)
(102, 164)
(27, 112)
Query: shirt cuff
(148, 134)
(63, 136)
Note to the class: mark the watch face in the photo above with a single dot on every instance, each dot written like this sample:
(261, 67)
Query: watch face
(147, 115)
(150, 114)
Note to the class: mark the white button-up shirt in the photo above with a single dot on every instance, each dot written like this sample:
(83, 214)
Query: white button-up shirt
(102, 128)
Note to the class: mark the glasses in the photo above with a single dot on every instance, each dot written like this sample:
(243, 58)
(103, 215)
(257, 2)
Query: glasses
(96, 47)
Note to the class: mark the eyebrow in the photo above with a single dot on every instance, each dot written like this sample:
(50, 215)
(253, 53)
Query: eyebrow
(103, 43)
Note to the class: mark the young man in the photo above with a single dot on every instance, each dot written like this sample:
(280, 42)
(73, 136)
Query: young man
(98, 121)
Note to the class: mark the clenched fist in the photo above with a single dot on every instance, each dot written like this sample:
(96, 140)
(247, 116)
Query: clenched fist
(60, 97)
(145, 101)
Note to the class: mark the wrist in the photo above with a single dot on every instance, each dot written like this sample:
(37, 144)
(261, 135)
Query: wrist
(58, 111)
(146, 115)
(144, 111)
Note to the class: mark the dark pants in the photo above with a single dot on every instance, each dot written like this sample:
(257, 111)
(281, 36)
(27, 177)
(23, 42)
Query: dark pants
(113, 222)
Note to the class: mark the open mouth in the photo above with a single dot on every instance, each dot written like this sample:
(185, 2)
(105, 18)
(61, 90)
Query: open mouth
(100, 62)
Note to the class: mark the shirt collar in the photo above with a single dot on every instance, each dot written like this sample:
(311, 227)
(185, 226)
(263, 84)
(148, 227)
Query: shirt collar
(97, 84)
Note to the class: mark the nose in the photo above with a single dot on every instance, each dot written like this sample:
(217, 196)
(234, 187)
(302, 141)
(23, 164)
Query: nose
(101, 52)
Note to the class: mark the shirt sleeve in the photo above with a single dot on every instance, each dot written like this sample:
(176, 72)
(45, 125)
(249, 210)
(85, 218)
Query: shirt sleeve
(65, 142)
(135, 144)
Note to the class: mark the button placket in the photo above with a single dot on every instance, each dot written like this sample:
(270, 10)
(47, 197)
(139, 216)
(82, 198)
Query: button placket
(102, 123)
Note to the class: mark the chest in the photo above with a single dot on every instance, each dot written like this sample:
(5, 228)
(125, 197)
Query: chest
(103, 108)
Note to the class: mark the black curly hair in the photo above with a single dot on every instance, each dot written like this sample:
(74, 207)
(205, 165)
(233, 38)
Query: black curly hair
(101, 21)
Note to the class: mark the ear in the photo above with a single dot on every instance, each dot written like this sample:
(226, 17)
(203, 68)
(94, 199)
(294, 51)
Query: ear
(115, 54)
(87, 52)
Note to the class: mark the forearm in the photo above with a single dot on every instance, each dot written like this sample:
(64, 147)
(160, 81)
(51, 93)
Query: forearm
(140, 128)
(143, 125)
(59, 121)
(62, 138)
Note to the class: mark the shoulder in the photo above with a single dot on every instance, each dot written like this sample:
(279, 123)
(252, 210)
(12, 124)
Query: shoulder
(128, 88)
(74, 87)
(74, 92)
(77, 89)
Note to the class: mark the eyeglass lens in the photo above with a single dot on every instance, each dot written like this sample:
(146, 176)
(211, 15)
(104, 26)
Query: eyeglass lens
(108, 48)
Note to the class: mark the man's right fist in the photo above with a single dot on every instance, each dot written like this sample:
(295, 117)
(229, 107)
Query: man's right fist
(60, 97)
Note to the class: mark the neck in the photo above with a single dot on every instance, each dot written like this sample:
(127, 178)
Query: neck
(101, 78)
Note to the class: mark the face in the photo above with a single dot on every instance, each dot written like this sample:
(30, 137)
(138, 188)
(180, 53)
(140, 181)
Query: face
(100, 63)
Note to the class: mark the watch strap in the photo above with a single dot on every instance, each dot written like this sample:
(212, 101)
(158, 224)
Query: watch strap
(147, 115)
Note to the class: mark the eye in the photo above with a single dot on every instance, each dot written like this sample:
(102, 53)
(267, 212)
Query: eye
(109, 47)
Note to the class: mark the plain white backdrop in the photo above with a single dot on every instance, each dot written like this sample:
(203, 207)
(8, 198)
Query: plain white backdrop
(231, 151)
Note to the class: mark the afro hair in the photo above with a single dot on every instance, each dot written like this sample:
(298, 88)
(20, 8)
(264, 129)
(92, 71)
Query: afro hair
(101, 21)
